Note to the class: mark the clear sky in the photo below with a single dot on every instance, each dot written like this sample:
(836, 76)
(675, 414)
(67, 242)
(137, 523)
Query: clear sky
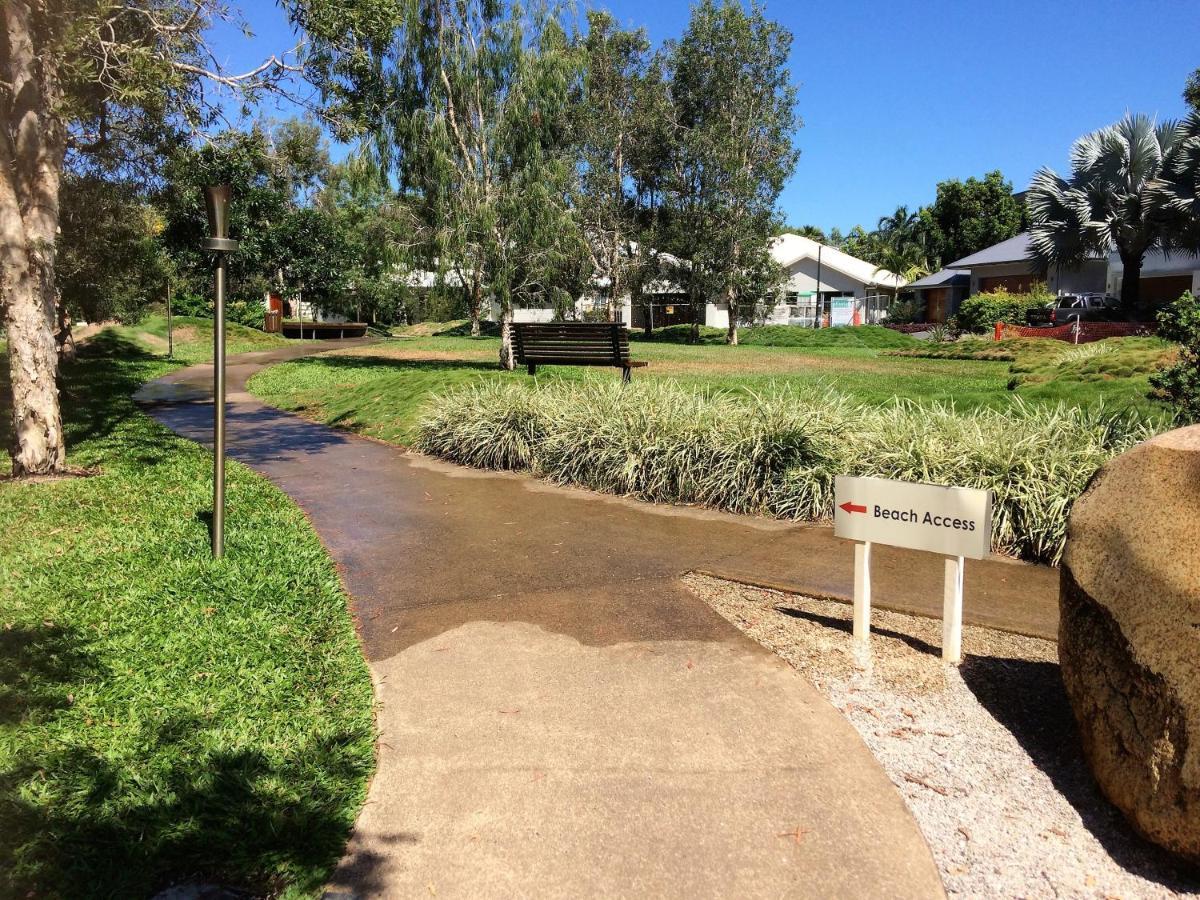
(897, 95)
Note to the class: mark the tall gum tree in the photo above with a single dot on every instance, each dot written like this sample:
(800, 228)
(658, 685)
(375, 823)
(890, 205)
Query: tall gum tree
(732, 119)
(467, 102)
(610, 122)
(85, 77)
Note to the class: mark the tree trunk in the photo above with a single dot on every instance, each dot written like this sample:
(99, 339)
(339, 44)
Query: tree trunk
(697, 314)
(731, 336)
(507, 357)
(32, 147)
(1131, 283)
(475, 301)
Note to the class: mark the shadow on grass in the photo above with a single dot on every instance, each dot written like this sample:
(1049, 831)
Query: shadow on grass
(389, 362)
(1029, 700)
(37, 668)
(78, 822)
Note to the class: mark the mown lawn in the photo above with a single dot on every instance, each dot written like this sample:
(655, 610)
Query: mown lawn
(381, 390)
(164, 717)
(193, 338)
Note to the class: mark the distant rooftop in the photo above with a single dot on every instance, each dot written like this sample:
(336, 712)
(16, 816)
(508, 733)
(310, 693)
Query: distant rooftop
(943, 278)
(1015, 249)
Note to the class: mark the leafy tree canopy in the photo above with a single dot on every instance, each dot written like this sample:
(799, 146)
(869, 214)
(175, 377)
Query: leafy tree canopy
(1191, 91)
(968, 216)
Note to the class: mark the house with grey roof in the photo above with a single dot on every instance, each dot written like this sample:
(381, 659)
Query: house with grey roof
(941, 293)
(1007, 265)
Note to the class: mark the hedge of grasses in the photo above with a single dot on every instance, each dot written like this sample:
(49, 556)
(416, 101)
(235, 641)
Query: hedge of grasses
(777, 454)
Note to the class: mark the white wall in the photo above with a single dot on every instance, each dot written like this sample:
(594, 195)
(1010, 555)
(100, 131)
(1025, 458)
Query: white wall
(716, 315)
(802, 277)
(533, 314)
(1090, 278)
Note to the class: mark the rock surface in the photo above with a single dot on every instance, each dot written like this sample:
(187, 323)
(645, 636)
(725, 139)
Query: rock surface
(1129, 635)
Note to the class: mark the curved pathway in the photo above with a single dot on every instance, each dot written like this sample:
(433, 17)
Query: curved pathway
(558, 716)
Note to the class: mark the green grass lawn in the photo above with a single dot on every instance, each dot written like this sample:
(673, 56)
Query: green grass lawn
(193, 337)
(162, 716)
(380, 391)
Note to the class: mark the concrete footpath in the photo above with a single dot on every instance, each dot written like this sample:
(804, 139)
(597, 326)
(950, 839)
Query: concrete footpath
(558, 715)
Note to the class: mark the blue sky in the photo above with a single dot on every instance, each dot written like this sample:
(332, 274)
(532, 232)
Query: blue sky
(897, 95)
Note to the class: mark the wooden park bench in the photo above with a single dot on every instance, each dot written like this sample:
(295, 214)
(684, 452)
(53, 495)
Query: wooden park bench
(573, 344)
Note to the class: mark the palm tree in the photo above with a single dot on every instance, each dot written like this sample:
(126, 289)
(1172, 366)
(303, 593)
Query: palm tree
(1179, 193)
(1115, 198)
(901, 247)
(905, 258)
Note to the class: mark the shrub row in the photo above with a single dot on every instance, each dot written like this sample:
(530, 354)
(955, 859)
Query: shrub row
(979, 313)
(777, 454)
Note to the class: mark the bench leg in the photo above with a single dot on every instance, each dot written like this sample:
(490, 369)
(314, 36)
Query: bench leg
(532, 369)
(626, 372)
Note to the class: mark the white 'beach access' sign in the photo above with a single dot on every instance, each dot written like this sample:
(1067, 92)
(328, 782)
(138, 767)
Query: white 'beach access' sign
(948, 520)
(956, 522)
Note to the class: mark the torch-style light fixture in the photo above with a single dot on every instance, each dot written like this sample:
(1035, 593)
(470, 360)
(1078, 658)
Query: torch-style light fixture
(216, 200)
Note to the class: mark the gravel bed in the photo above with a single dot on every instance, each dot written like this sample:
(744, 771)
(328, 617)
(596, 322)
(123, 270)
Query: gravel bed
(986, 754)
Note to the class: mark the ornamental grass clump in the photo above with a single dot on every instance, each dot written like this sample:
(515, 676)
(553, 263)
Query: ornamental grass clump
(777, 453)
(489, 426)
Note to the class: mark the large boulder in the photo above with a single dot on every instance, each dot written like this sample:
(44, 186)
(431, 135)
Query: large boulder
(1129, 635)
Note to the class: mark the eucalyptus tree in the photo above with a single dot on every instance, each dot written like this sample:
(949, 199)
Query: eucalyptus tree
(468, 101)
(609, 122)
(732, 114)
(1113, 199)
(82, 77)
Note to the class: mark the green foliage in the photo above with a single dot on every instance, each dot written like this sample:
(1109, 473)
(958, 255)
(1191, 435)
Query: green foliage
(163, 716)
(874, 337)
(109, 263)
(868, 246)
(1191, 91)
(777, 454)
(809, 231)
(726, 153)
(901, 247)
(1179, 384)
(681, 334)
(979, 313)
(968, 216)
(274, 171)
(903, 312)
(614, 149)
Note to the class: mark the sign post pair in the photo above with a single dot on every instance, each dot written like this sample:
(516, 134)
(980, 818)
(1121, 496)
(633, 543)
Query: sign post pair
(955, 522)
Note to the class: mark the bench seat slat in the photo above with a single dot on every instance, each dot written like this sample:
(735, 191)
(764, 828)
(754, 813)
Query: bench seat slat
(573, 344)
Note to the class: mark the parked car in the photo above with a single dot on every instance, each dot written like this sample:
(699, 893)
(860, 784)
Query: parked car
(1076, 308)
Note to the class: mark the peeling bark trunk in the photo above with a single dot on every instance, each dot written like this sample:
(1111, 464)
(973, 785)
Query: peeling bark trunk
(731, 336)
(475, 300)
(32, 148)
(507, 357)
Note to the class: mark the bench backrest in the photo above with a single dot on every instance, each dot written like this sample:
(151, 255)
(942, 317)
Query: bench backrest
(571, 343)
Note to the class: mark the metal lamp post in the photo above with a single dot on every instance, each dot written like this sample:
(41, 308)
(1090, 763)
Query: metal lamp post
(216, 200)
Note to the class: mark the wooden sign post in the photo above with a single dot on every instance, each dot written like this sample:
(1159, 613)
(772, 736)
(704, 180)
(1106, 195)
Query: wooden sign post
(955, 522)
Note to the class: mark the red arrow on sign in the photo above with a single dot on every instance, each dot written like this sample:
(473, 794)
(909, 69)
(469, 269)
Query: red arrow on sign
(853, 508)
